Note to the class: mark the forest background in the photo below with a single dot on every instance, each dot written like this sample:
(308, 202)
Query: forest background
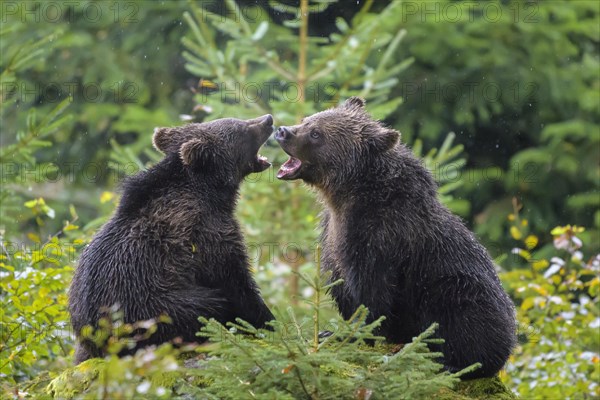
(501, 98)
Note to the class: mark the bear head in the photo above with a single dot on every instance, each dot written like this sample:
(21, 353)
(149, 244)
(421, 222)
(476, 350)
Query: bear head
(225, 147)
(333, 144)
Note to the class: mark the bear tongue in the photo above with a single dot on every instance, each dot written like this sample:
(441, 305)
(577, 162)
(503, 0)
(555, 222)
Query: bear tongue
(288, 168)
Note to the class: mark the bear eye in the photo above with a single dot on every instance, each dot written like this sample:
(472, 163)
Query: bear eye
(315, 134)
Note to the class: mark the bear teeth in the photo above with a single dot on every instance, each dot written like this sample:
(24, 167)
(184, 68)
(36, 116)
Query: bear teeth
(290, 167)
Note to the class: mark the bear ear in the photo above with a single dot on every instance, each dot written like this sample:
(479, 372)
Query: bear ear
(384, 140)
(200, 152)
(163, 139)
(354, 103)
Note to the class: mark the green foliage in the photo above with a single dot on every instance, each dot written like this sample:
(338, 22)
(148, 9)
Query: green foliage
(447, 171)
(18, 164)
(151, 373)
(155, 371)
(33, 317)
(557, 297)
(486, 388)
(537, 141)
(318, 79)
(35, 266)
(286, 364)
(290, 361)
(117, 94)
(519, 84)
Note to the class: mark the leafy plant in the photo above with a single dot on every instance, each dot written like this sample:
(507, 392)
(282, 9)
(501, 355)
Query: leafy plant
(34, 322)
(558, 298)
(150, 373)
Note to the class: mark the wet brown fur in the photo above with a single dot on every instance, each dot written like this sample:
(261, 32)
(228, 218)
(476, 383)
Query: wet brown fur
(173, 245)
(399, 251)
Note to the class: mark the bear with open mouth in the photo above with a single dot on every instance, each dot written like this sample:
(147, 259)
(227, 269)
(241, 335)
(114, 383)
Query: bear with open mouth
(399, 251)
(173, 246)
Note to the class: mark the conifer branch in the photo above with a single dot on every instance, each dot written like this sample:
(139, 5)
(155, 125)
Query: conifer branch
(357, 319)
(336, 51)
(277, 67)
(357, 69)
(384, 60)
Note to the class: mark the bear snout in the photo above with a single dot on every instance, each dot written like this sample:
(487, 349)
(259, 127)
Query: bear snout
(268, 120)
(265, 120)
(283, 133)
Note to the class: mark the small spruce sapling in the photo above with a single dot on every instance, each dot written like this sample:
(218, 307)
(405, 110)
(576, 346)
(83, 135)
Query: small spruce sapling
(292, 361)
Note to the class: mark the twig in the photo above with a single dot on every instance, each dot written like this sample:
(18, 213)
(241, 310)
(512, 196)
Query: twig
(297, 372)
(295, 368)
(317, 302)
(357, 326)
(302, 50)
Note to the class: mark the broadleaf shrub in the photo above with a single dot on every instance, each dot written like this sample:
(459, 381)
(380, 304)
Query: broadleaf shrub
(558, 305)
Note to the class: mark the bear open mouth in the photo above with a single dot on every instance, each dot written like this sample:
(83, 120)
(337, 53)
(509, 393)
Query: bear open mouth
(261, 163)
(289, 169)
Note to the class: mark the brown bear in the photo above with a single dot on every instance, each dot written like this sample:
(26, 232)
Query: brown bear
(399, 251)
(173, 246)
